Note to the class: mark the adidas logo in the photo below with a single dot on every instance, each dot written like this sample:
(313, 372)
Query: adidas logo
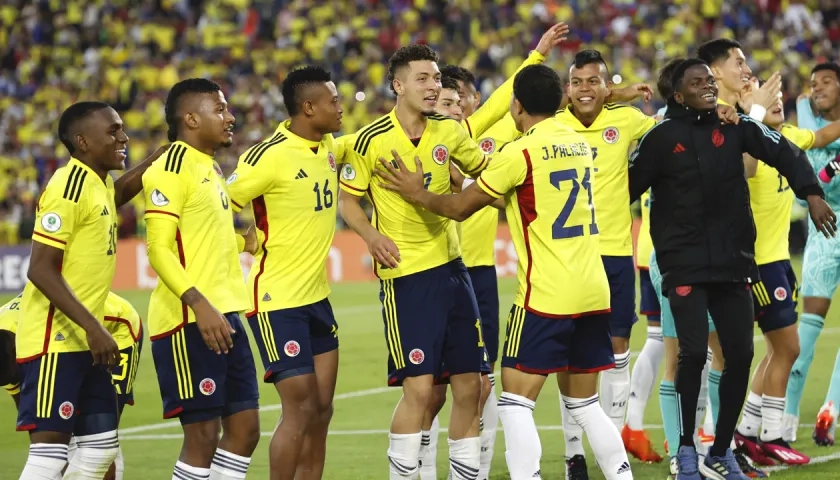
(537, 474)
(679, 148)
(625, 467)
(205, 180)
(266, 298)
(301, 174)
(59, 337)
(104, 212)
(574, 439)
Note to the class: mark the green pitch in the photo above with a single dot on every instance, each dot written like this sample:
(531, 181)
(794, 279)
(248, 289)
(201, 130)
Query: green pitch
(363, 408)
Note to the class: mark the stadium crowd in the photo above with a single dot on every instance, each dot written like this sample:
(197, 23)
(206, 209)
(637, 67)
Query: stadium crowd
(130, 53)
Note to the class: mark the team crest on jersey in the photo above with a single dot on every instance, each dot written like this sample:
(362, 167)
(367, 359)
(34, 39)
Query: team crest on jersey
(158, 198)
(440, 154)
(416, 356)
(65, 410)
(780, 293)
(51, 222)
(331, 159)
(207, 386)
(292, 348)
(231, 179)
(488, 146)
(348, 173)
(610, 135)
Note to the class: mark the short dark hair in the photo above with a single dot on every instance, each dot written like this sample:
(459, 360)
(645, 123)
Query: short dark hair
(827, 66)
(663, 84)
(405, 55)
(539, 89)
(679, 72)
(178, 91)
(71, 116)
(449, 82)
(588, 57)
(298, 78)
(458, 73)
(716, 50)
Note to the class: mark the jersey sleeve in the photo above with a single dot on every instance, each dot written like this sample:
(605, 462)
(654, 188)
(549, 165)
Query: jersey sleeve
(57, 215)
(466, 154)
(642, 124)
(497, 104)
(252, 178)
(802, 138)
(505, 172)
(355, 175)
(165, 193)
(343, 145)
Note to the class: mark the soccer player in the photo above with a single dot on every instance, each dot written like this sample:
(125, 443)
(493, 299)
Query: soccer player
(609, 129)
(62, 346)
(820, 271)
(122, 321)
(429, 308)
(546, 333)
(204, 363)
(289, 179)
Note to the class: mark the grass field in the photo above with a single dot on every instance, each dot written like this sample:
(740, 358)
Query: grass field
(363, 408)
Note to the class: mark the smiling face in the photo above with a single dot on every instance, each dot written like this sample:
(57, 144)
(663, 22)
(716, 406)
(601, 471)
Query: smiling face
(698, 89)
(775, 115)
(102, 137)
(418, 85)
(588, 87)
(733, 73)
(825, 89)
(449, 104)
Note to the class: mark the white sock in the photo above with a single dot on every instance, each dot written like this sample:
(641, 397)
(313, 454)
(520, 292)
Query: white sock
(750, 425)
(228, 466)
(188, 472)
(45, 461)
(572, 433)
(608, 448)
(71, 448)
(615, 389)
(94, 456)
(464, 457)
(119, 465)
(645, 372)
(522, 441)
(702, 402)
(428, 452)
(490, 417)
(772, 410)
(404, 455)
(709, 418)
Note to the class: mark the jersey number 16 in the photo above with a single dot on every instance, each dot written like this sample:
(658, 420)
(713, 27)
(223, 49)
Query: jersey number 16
(559, 229)
(327, 196)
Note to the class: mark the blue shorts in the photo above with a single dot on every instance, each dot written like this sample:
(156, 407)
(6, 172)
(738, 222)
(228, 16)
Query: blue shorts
(649, 302)
(665, 315)
(431, 318)
(289, 339)
(775, 296)
(486, 286)
(621, 273)
(60, 389)
(124, 374)
(820, 265)
(196, 384)
(539, 345)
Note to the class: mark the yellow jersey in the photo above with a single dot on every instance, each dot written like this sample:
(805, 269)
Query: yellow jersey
(122, 321)
(478, 233)
(187, 187)
(771, 200)
(425, 240)
(9, 314)
(291, 185)
(610, 137)
(546, 177)
(644, 244)
(76, 214)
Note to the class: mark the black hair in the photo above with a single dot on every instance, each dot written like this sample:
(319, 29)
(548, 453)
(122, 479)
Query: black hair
(405, 55)
(298, 78)
(539, 89)
(71, 116)
(588, 57)
(458, 73)
(717, 50)
(663, 84)
(679, 72)
(178, 91)
(827, 66)
(449, 82)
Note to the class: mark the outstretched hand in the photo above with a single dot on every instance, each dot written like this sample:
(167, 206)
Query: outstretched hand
(552, 37)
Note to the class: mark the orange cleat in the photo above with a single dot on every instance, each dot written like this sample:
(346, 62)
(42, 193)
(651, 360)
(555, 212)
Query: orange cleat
(637, 443)
(706, 438)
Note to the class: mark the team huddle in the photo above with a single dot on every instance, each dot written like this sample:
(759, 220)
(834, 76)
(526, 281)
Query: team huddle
(437, 170)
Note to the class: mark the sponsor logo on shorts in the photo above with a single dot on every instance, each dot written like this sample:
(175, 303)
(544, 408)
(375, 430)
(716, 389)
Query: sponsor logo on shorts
(207, 386)
(65, 410)
(416, 356)
(292, 348)
(780, 293)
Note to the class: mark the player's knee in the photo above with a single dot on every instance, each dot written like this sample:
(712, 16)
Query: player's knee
(486, 389)
(740, 359)
(201, 438)
(417, 392)
(693, 359)
(438, 400)
(467, 389)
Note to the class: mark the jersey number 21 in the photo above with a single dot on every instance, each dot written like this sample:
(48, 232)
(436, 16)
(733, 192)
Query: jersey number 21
(560, 180)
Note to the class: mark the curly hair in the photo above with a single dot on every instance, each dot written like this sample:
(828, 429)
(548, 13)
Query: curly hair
(405, 55)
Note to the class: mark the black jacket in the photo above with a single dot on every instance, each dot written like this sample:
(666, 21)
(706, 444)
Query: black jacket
(700, 217)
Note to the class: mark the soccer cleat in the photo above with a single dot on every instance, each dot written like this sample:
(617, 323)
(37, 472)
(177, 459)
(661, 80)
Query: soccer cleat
(687, 464)
(576, 468)
(673, 469)
(722, 468)
(748, 468)
(790, 424)
(749, 446)
(707, 439)
(637, 443)
(782, 451)
(826, 424)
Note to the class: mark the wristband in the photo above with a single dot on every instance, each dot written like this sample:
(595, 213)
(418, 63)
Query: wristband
(467, 182)
(757, 112)
(830, 170)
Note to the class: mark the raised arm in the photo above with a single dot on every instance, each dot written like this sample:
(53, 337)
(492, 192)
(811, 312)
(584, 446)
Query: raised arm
(130, 183)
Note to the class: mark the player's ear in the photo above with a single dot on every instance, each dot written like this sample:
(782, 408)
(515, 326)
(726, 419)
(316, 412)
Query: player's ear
(81, 143)
(679, 97)
(191, 121)
(398, 87)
